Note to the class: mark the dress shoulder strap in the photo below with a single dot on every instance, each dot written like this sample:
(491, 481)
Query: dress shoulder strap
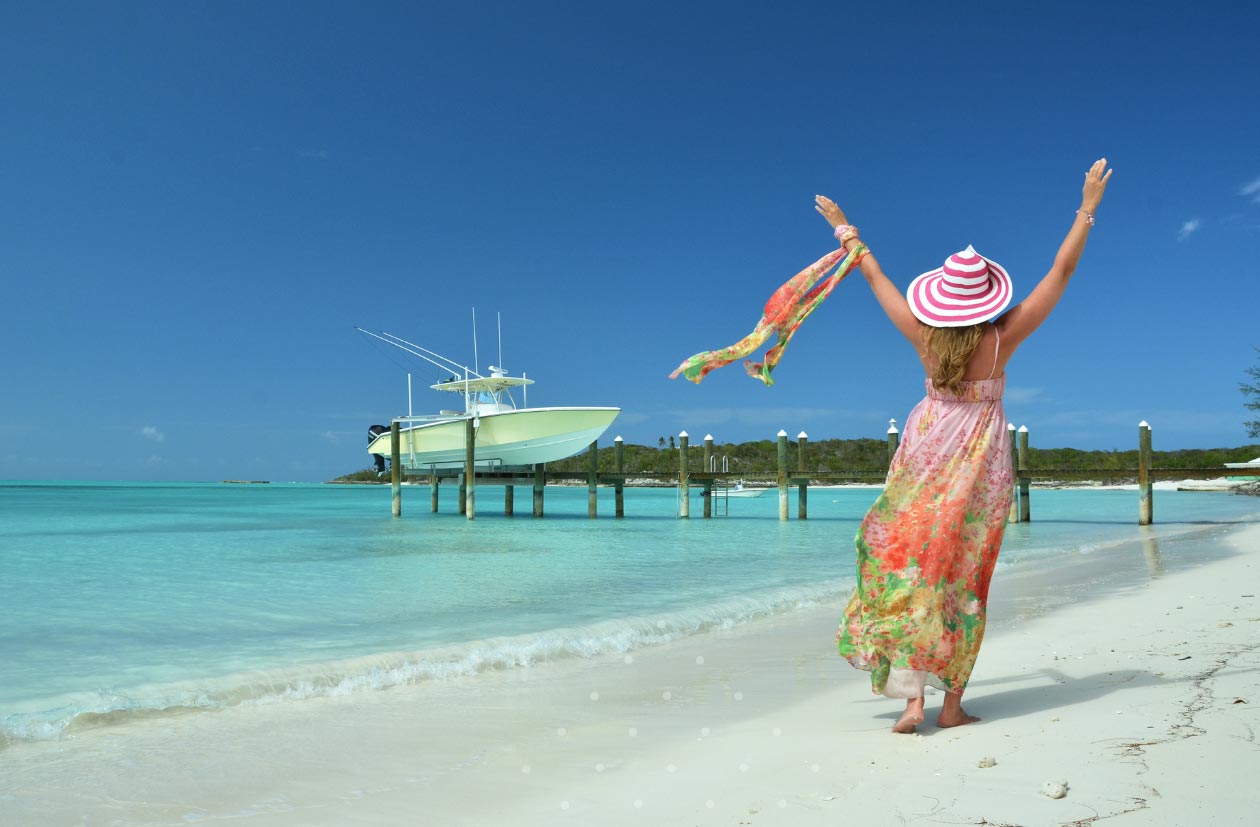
(996, 347)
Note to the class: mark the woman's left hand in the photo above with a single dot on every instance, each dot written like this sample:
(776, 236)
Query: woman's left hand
(828, 209)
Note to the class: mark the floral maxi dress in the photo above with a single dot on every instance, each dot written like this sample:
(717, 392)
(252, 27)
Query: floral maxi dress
(927, 547)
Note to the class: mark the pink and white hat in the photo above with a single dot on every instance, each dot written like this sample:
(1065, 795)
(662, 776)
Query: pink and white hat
(966, 290)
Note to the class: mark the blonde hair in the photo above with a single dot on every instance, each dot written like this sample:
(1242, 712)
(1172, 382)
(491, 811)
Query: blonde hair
(952, 348)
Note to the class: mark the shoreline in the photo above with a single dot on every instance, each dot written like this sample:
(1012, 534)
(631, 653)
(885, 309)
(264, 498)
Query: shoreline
(761, 723)
(1216, 484)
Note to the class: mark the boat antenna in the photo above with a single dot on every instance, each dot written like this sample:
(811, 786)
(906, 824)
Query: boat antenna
(499, 320)
(476, 362)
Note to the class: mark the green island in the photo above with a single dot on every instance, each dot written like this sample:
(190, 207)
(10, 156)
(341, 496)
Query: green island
(758, 460)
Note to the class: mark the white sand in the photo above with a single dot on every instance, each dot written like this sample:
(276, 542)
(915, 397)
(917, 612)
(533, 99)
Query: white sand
(1128, 694)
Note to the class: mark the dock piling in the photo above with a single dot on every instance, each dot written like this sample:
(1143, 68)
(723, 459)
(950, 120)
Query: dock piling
(707, 492)
(1146, 489)
(1013, 517)
(783, 475)
(540, 482)
(1025, 514)
(619, 486)
(592, 480)
(470, 465)
(684, 479)
(395, 467)
(802, 491)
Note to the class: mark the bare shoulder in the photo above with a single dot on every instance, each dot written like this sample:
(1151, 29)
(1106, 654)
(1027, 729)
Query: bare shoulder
(1009, 325)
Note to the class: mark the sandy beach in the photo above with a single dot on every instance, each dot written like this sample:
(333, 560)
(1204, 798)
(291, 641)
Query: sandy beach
(1131, 675)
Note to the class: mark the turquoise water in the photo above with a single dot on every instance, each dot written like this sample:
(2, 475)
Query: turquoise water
(121, 599)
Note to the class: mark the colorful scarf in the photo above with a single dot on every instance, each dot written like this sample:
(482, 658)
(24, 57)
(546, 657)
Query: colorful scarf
(790, 305)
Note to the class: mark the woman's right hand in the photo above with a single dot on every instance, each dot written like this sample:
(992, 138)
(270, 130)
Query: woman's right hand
(1095, 185)
(830, 211)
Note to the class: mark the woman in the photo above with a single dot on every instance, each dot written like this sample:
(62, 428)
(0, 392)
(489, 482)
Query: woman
(927, 547)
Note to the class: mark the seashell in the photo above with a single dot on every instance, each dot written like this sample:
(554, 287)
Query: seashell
(1054, 789)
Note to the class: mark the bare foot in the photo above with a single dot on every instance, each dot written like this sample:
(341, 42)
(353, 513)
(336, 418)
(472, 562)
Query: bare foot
(956, 717)
(912, 717)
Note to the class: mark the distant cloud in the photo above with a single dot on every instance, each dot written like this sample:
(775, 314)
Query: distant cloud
(1189, 228)
(151, 432)
(629, 418)
(771, 418)
(1251, 191)
(1021, 396)
(314, 154)
(331, 438)
(1162, 420)
(153, 461)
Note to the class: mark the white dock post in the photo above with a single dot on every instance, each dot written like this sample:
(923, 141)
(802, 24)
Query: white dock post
(1146, 504)
(1013, 517)
(802, 488)
(470, 472)
(684, 479)
(619, 487)
(395, 467)
(707, 493)
(783, 476)
(894, 440)
(1025, 512)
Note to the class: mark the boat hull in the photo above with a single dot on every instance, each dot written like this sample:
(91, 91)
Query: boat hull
(528, 436)
(745, 493)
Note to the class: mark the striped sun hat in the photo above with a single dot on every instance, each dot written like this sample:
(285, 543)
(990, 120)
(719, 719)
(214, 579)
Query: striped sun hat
(967, 289)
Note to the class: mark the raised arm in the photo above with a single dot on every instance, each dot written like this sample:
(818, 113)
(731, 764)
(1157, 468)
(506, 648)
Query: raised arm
(1020, 321)
(886, 293)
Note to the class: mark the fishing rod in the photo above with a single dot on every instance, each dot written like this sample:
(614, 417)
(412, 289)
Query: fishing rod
(422, 353)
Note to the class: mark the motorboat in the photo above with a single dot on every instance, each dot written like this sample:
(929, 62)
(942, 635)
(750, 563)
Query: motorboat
(505, 436)
(741, 490)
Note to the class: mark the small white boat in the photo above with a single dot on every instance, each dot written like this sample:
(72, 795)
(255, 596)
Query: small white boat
(740, 490)
(505, 436)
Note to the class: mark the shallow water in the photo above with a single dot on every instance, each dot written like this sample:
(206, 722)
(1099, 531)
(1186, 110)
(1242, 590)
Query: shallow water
(124, 599)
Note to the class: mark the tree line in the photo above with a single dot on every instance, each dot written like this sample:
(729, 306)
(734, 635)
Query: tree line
(759, 460)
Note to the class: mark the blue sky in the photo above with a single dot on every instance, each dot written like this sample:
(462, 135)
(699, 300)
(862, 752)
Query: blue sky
(202, 200)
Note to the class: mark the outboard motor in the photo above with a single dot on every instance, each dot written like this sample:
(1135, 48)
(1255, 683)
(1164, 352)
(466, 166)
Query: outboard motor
(373, 432)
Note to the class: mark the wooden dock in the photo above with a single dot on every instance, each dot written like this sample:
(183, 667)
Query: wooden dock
(711, 481)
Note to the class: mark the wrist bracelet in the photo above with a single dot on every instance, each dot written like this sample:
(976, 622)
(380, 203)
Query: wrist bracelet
(841, 229)
(1089, 216)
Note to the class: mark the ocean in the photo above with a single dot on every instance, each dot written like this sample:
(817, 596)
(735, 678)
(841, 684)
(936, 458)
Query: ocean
(130, 599)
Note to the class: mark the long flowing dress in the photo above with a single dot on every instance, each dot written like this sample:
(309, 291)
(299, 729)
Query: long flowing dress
(927, 548)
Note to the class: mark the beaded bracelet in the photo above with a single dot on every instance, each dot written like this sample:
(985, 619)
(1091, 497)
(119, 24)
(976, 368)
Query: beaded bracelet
(1088, 216)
